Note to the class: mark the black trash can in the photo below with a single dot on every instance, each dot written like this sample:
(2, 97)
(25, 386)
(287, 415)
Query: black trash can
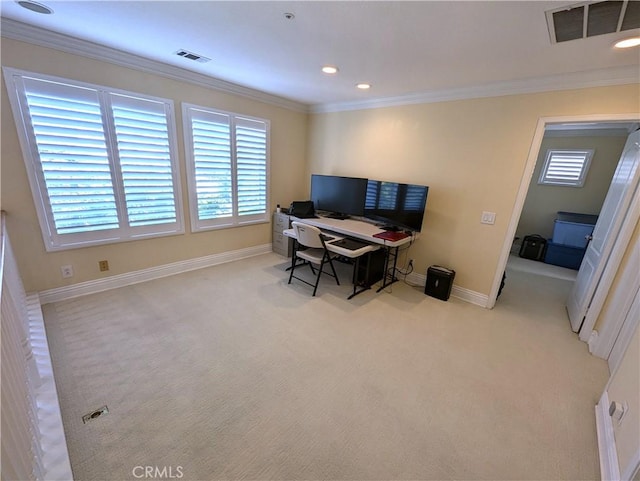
(439, 282)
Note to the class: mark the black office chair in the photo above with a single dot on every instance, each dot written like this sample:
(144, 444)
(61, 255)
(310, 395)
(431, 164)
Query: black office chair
(311, 248)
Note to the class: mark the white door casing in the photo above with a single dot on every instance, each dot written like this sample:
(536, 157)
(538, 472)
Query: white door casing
(530, 165)
(613, 212)
(629, 324)
(615, 324)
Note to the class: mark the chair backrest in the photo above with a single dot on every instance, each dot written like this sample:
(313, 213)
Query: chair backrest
(308, 235)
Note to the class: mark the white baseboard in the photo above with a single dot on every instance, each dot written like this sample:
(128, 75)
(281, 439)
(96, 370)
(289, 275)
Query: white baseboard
(468, 295)
(458, 292)
(135, 277)
(609, 469)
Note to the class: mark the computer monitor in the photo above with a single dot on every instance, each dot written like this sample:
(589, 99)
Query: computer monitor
(397, 206)
(339, 196)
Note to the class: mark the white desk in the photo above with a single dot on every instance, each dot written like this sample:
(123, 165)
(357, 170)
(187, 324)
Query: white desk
(355, 228)
(352, 253)
(360, 230)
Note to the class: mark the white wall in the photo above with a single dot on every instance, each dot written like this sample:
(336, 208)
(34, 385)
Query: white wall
(471, 153)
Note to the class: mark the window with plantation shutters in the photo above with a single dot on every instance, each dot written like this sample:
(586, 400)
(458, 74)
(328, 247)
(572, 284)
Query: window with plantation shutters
(101, 163)
(227, 167)
(566, 167)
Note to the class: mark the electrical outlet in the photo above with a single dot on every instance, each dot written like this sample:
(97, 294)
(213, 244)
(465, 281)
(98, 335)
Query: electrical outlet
(104, 265)
(410, 262)
(67, 271)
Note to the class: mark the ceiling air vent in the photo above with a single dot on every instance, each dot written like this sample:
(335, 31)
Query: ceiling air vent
(589, 19)
(192, 56)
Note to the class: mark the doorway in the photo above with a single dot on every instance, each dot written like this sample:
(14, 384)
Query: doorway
(558, 210)
(545, 125)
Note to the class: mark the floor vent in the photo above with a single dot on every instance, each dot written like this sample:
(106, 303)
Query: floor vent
(192, 56)
(589, 19)
(95, 414)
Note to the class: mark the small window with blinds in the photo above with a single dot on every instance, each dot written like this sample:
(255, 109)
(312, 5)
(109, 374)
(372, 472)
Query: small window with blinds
(227, 167)
(101, 163)
(566, 167)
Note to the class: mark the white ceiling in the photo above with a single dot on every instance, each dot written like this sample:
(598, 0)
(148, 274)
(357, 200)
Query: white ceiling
(401, 48)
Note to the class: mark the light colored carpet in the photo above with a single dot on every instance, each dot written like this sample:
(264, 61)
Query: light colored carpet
(230, 373)
(517, 263)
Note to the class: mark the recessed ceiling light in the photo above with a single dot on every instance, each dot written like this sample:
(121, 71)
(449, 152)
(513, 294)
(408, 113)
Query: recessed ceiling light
(628, 42)
(330, 69)
(363, 86)
(35, 6)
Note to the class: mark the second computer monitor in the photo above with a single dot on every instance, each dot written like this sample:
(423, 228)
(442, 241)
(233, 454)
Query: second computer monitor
(338, 196)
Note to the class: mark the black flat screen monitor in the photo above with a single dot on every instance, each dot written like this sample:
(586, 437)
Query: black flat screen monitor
(396, 205)
(339, 196)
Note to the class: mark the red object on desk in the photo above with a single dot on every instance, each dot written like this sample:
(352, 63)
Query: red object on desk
(391, 235)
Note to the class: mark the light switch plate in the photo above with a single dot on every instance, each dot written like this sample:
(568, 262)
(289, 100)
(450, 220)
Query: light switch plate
(488, 218)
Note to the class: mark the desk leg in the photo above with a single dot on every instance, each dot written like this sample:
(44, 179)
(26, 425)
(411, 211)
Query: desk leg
(388, 279)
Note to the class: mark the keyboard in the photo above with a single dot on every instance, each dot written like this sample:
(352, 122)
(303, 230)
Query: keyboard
(350, 244)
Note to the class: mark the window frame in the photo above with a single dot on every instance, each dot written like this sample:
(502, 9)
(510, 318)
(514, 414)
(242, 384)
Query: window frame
(235, 220)
(580, 181)
(53, 240)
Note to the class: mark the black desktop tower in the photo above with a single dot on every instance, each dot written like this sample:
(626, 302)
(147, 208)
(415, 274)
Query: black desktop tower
(439, 282)
(370, 268)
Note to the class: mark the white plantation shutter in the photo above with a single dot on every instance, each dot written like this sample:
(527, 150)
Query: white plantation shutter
(251, 152)
(227, 158)
(145, 160)
(566, 167)
(211, 149)
(67, 125)
(101, 164)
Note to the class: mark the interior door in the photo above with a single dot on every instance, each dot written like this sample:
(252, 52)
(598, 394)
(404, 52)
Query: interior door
(614, 209)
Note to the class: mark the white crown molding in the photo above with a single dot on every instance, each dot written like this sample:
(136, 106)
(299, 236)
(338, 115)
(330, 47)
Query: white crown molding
(47, 38)
(135, 277)
(575, 80)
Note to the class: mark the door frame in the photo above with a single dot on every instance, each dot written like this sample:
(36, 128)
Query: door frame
(532, 159)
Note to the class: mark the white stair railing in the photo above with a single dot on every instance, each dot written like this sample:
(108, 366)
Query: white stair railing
(24, 383)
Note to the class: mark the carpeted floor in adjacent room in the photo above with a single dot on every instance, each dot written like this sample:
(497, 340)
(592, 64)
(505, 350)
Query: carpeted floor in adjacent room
(230, 373)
